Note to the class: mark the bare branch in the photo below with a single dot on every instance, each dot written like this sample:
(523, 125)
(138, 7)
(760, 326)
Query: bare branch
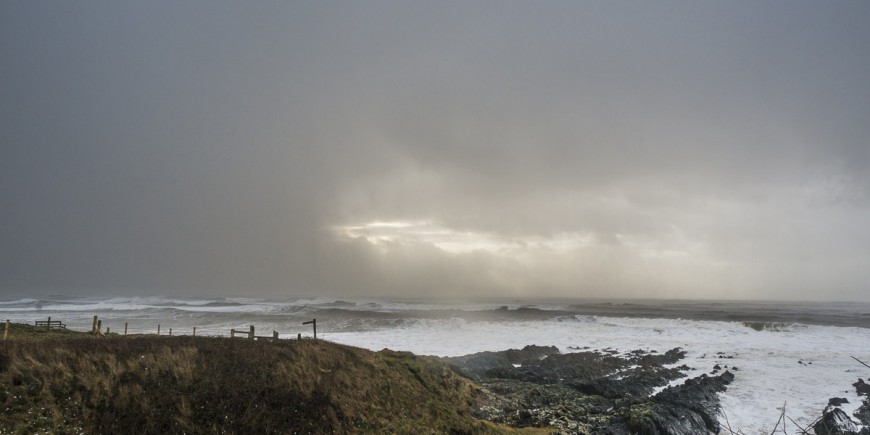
(727, 422)
(803, 430)
(862, 362)
(781, 419)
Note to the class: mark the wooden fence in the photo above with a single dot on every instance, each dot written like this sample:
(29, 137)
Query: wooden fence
(251, 336)
(50, 324)
(97, 329)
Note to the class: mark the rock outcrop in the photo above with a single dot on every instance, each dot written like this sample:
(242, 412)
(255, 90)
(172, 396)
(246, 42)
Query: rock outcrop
(593, 391)
(835, 422)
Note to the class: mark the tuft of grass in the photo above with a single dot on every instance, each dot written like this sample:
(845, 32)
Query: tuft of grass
(147, 384)
(21, 331)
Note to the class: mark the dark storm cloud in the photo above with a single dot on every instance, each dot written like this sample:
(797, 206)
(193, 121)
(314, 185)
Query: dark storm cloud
(621, 149)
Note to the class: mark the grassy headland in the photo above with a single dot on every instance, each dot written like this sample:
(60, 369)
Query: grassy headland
(65, 382)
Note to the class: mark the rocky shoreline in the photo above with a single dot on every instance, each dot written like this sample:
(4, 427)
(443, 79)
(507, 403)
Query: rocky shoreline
(604, 392)
(594, 391)
(835, 421)
(64, 382)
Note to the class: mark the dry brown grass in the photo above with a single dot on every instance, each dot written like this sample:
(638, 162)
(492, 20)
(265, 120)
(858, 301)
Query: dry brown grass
(216, 385)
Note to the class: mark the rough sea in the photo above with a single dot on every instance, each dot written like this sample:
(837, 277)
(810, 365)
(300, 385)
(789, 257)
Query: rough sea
(793, 354)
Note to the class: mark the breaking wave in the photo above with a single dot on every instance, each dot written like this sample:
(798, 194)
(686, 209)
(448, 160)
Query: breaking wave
(771, 326)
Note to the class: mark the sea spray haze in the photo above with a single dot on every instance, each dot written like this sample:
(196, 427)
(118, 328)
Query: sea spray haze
(797, 353)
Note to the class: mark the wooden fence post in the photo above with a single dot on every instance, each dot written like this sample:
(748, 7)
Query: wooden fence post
(48, 325)
(6, 331)
(170, 331)
(94, 326)
(313, 323)
(194, 331)
(232, 333)
(125, 329)
(100, 327)
(107, 330)
(251, 334)
(275, 334)
(158, 329)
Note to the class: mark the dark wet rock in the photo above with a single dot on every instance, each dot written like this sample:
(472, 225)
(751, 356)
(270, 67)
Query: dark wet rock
(525, 404)
(476, 366)
(595, 392)
(835, 422)
(863, 413)
(633, 382)
(670, 357)
(556, 368)
(862, 388)
(578, 366)
(837, 401)
(690, 408)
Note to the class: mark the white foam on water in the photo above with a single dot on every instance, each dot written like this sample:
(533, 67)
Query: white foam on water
(768, 369)
(768, 374)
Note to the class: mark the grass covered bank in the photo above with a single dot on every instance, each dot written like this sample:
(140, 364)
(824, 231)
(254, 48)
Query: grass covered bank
(75, 383)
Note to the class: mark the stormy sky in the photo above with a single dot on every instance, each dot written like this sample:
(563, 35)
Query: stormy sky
(631, 149)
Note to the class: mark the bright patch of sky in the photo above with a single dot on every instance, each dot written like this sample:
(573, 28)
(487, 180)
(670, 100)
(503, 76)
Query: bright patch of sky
(410, 233)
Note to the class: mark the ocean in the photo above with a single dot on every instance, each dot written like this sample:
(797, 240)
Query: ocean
(793, 354)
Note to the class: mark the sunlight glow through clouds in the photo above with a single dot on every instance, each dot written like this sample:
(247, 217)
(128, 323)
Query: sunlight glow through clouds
(409, 233)
(671, 262)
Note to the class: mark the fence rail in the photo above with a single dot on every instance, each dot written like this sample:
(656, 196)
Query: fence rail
(97, 329)
(50, 324)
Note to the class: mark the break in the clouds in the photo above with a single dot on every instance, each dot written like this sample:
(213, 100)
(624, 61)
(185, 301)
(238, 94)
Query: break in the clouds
(586, 149)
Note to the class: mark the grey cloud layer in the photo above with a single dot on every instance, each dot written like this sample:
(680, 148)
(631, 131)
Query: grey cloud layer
(708, 150)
